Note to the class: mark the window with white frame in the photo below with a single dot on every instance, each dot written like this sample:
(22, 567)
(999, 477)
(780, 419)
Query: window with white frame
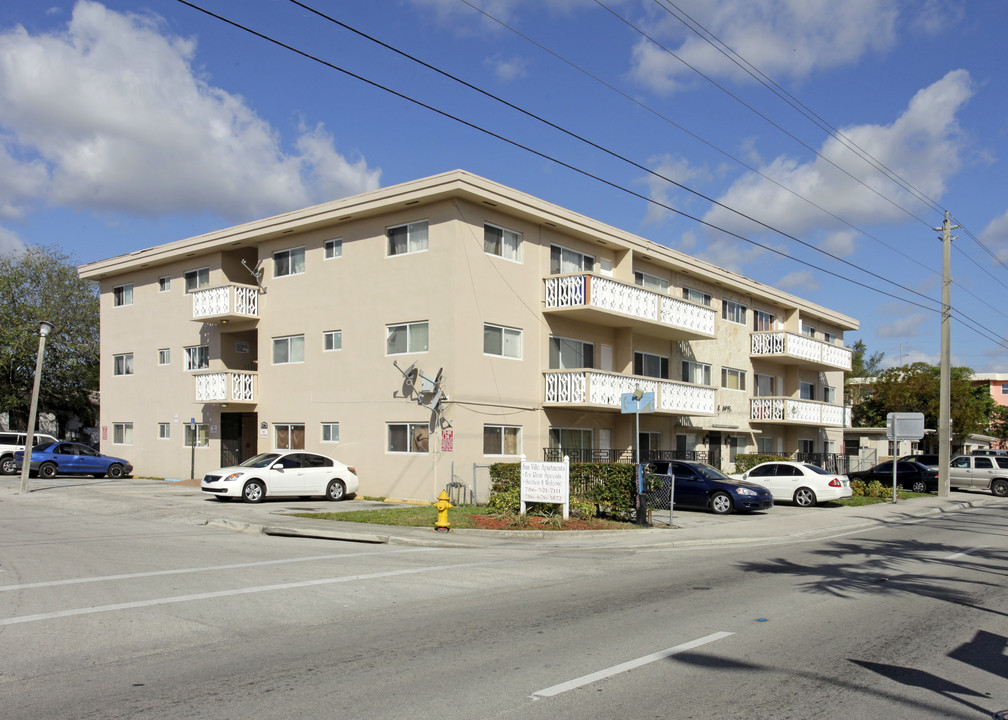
(829, 338)
(164, 356)
(733, 311)
(570, 439)
(502, 341)
(197, 357)
(502, 243)
(122, 295)
(732, 379)
(164, 431)
(502, 440)
(569, 354)
(651, 282)
(164, 283)
(122, 433)
(196, 435)
(564, 260)
(289, 349)
(806, 446)
(763, 321)
(288, 436)
(407, 338)
(408, 438)
(806, 390)
(333, 248)
(332, 340)
(697, 373)
(807, 330)
(288, 262)
(122, 364)
(647, 442)
(1004, 388)
(197, 279)
(829, 394)
(697, 296)
(649, 365)
(330, 432)
(766, 385)
(406, 239)
(766, 445)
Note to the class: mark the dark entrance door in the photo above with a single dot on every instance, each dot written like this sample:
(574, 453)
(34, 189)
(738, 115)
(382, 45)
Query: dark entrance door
(238, 439)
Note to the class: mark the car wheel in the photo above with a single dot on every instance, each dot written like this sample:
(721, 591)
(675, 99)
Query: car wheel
(720, 503)
(999, 488)
(919, 486)
(47, 470)
(336, 490)
(8, 466)
(254, 491)
(115, 471)
(804, 497)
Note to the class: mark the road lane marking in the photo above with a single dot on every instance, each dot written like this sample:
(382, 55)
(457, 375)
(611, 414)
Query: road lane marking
(964, 552)
(629, 665)
(210, 568)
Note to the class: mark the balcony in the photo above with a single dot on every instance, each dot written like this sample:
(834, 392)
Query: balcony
(227, 303)
(226, 387)
(795, 349)
(595, 389)
(604, 301)
(791, 411)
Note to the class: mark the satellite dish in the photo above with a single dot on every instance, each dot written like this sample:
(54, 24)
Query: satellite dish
(409, 378)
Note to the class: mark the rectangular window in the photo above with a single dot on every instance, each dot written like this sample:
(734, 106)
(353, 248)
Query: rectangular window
(733, 311)
(806, 446)
(651, 282)
(696, 296)
(122, 364)
(501, 440)
(732, 442)
(164, 356)
(288, 262)
(330, 432)
(288, 349)
(650, 365)
(568, 354)
(288, 436)
(732, 379)
(164, 431)
(696, 373)
(563, 261)
(502, 341)
(164, 284)
(807, 330)
(332, 340)
(197, 279)
(829, 395)
(122, 295)
(766, 446)
(762, 321)
(122, 433)
(807, 390)
(196, 436)
(570, 439)
(829, 338)
(766, 385)
(407, 437)
(405, 239)
(407, 338)
(197, 357)
(333, 248)
(502, 243)
(1004, 389)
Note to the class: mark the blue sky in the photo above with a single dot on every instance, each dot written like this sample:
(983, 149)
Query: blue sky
(125, 125)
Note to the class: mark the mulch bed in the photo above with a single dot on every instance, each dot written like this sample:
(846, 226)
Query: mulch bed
(532, 522)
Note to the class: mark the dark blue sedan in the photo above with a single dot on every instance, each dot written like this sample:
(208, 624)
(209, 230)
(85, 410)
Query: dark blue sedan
(699, 485)
(51, 459)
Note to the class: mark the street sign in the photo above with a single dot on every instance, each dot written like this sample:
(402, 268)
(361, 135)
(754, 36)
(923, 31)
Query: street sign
(905, 426)
(645, 405)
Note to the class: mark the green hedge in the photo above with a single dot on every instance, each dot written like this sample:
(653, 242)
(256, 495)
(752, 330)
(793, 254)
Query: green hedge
(745, 462)
(595, 488)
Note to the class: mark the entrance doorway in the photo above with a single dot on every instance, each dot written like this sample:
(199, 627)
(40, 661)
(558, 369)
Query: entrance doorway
(238, 437)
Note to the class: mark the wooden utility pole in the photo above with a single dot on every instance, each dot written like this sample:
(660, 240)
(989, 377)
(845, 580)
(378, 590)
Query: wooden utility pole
(945, 404)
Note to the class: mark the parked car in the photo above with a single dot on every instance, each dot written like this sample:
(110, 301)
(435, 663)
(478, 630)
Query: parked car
(282, 473)
(11, 442)
(699, 485)
(909, 475)
(980, 472)
(797, 482)
(62, 458)
(990, 451)
(930, 460)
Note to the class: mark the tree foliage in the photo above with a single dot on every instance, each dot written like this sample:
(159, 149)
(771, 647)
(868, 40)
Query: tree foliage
(864, 365)
(42, 284)
(998, 426)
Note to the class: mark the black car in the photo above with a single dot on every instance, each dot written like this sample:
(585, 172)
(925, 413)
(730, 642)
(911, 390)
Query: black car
(930, 460)
(910, 475)
(699, 485)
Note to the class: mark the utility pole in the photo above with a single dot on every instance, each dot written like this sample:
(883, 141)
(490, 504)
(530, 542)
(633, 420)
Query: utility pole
(944, 419)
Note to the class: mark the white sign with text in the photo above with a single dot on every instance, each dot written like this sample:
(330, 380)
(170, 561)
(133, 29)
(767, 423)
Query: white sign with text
(546, 482)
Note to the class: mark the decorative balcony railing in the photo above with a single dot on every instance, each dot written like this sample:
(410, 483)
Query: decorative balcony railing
(791, 411)
(227, 302)
(228, 386)
(604, 389)
(794, 348)
(615, 303)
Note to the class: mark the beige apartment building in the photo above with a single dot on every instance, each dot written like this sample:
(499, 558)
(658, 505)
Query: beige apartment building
(524, 324)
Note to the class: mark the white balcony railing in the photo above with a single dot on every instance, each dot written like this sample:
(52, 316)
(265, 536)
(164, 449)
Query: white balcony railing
(226, 301)
(792, 411)
(226, 386)
(606, 294)
(787, 345)
(604, 389)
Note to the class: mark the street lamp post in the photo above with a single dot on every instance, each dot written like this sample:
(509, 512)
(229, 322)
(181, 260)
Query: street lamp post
(45, 328)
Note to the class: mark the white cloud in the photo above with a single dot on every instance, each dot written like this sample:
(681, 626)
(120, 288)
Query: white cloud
(10, 243)
(906, 326)
(800, 280)
(995, 236)
(507, 70)
(147, 134)
(677, 169)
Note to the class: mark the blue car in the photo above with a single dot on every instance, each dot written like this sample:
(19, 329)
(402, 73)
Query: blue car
(51, 459)
(699, 485)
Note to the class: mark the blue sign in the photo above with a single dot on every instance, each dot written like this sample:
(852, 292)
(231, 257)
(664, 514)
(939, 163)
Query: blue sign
(645, 405)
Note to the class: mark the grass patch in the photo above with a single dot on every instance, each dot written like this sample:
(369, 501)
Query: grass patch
(861, 500)
(408, 516)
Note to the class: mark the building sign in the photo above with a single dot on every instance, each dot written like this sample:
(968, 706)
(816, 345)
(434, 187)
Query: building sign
(546, 482)
(447, 440)
(241, 347)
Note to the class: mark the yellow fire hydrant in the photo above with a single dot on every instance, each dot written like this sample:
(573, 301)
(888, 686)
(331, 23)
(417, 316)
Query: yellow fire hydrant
(442, 506)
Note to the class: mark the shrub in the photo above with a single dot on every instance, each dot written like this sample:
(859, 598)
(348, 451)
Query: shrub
(594, 487)
(745, 462)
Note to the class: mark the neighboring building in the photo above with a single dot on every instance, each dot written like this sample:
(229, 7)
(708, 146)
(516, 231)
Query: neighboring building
(996, 384)
(537, 319)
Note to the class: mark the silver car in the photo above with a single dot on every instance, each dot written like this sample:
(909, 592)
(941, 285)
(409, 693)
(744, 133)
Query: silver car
(980, 472)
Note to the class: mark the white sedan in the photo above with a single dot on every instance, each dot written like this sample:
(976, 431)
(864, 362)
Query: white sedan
(801, 483)
(282, 473)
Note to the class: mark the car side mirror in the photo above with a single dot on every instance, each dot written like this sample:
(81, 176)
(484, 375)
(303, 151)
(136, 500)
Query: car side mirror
(278, 466)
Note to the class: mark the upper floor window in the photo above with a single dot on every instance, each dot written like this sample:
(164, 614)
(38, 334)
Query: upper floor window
(696, 373)
(333, 248)
(502, 341)
(501, 440)
(197, 357)
(651, 282)
(566, 354)
(650, 365)
(407, 338)
(766, 385)
(806, 390)
(502, 243)
(829, 338)
(732, 379)
(829, 394)
(122, 364)
(332, 340)
(405, 239)
(288, 262)
(164, 284)
(807, 330)
(564, 261)
(1004, 388)
(122, 295)
(697, 296)
(288, 349)
(762, 321)
(197, 279)
(733, 311)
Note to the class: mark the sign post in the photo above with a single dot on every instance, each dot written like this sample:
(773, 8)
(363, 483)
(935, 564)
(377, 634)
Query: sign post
(902, 426)
(637, 402)
(192, 455)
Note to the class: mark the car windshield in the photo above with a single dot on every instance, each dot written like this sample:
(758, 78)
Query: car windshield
(709, 473)
(817, 469)
(43, 446)
(260, 460)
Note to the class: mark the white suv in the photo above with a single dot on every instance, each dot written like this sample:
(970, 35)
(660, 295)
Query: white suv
(12, 442)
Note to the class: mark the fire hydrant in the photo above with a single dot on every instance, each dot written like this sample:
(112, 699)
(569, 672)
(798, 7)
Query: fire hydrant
(442, 506)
